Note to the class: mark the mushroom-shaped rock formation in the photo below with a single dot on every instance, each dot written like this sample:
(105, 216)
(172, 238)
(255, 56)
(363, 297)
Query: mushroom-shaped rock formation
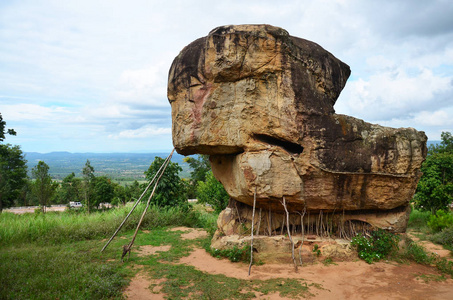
(260, 103)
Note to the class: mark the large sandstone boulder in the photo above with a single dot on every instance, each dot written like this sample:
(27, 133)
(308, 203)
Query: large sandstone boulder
(261, 103)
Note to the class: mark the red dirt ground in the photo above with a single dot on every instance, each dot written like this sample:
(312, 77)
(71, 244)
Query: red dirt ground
(343, 280)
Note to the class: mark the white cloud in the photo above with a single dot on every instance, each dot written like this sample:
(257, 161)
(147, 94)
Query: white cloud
(78, 71)
(148, 131)
(32, 112)
(148, 85)
(394, 93)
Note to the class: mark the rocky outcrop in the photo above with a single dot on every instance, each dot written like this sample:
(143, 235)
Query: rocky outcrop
(261, 103)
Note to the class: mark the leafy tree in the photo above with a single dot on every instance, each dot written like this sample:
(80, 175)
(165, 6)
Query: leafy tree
(435, 188)
(103, 190)
(88, 176)
(43, 187)
(13, 169)
(127, 193)
(120, 195)
(212, 192)
(446, 144)
(70, 189)
(26, 196)
(134, 191)
(200, 168)
(170, 190)
(3, 129)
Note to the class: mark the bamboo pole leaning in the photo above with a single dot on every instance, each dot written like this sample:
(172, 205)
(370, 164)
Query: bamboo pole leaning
(129, 247)
(138, 200)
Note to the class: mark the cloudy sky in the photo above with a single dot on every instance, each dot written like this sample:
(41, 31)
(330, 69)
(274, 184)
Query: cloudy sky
(90, 76)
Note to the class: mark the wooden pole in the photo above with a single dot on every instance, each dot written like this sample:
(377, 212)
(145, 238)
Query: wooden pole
(269, 222)
(289, 234)
(259, 224)
(147, 204)
(137, 202)
(253, 222)
(303, 234)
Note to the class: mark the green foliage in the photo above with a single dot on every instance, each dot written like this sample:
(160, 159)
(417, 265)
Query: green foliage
(87, 186)
(440, 220)
(435, 188)
(13, 174)
(103, 190)
(234, 254)
(316, 250)
(379, 245)
(200, 167)
(3, 129)
(418, 220)
(13, 170)
(43, 187)
(69, 226)
(417, 253)
(212, 192)
(170, 190)
(445, 238)
(134, 190)
(70, 189)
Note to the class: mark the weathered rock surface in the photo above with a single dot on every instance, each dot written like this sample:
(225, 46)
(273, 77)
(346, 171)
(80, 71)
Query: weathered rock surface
(260, 103)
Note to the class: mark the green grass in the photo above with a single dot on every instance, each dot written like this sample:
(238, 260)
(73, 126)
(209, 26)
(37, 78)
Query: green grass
(444, 238)
(431, 277)
(417, 253)
(418, 220)
(57, 256)
(59, 272)
(65, 227)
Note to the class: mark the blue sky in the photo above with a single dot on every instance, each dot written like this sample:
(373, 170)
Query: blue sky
(91, 76)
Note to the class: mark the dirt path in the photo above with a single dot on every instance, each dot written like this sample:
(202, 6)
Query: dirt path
(343, 280)
(139, 288)
(436, 249)
(31, 209)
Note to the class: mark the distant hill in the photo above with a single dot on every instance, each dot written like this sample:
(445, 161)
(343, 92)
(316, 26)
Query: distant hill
(126, 166)
(119, 166)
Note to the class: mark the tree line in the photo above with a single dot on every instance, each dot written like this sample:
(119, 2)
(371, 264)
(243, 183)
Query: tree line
(17, 189)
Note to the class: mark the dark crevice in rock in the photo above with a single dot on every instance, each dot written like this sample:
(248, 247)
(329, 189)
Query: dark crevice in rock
(288, 146)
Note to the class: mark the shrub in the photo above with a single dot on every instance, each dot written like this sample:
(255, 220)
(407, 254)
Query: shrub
(418, 219)
(445, 237)
(212, 192)
(377, 246)
(440, 220)
(235, 254)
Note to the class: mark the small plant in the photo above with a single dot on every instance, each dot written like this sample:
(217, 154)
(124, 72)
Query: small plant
(328, 261)
(316, 250)
(431, 277)
(234, 254)
(440, 220)
(377, 246)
